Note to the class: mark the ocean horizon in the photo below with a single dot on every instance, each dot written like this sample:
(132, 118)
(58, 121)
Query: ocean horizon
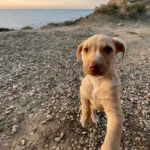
(36, 18)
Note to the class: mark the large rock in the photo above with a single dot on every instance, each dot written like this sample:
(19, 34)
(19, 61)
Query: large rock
(118, 2)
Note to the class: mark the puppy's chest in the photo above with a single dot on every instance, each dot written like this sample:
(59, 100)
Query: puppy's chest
(99, 92)
(99, 95)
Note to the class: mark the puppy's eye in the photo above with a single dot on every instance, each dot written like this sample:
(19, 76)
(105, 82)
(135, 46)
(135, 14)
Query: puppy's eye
(86, 50)
(108, 49)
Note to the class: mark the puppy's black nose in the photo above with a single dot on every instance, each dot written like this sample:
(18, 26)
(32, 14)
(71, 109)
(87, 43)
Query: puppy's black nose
(94, 66)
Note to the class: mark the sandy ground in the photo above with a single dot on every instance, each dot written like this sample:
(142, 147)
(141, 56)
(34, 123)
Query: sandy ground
(39, 84)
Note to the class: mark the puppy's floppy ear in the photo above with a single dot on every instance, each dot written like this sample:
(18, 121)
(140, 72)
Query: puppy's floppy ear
(120, 45)
(79, 50)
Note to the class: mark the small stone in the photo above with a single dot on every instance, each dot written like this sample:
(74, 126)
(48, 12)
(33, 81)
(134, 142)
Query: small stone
(8, 112)
(63, 119)
(42, 104)
(15, 120)
(91, 135)
(54, 147)
(81, 141)
(83, 133)
(53, 101)
(144, 112)
(31, 93)
(14, 129)
(46, 146)
(32, 133)
(120, 24)
(147, 124)
(18, 148)
(57, 140)
(62, 135)
(75, 143)
(15, 87)
(23, 142)
(49, 117)
(31, 116)
(43, 122)
(11, 107)
(132, 99)
(34, 129)
(49, 105)
(48, 112)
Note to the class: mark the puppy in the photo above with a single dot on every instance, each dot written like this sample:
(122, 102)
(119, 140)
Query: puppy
(100, 89)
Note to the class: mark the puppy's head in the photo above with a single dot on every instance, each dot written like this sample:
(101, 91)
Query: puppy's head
(99, 53)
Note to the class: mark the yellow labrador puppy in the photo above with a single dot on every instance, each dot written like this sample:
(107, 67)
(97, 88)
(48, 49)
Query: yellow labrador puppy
(100, 89)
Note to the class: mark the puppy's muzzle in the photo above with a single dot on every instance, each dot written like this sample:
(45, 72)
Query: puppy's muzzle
(96, 68)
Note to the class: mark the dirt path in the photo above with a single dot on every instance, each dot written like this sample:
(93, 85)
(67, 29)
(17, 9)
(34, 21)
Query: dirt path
(39, 84)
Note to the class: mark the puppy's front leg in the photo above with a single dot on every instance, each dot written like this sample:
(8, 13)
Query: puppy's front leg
(86, 111)
(114, 130)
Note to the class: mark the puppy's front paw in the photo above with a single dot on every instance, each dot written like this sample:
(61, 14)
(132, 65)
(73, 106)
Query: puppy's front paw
(84, 122)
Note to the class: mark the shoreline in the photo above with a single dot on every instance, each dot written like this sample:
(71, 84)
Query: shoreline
(78, 21)
(96, 14)
(52, 24)
(36, 21)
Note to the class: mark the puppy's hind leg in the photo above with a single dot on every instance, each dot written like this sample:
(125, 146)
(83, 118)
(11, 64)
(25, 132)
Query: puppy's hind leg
(86, 111)
(94, 116)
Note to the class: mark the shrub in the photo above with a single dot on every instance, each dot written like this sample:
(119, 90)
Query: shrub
(72, 22)
(67, 23)
(136, 10)
(133, 1)
(53, 24)
(1, 126)
(110, 9)
(5, 29)
(131, 11)
(26, 28)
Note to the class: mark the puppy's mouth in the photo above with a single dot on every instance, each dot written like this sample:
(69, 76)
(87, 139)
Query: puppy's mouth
(98, 70)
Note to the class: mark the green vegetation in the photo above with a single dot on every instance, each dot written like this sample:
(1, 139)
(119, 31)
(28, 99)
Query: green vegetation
(109, 10)
(26, 28)
(5, 29)
(21, 117)
(134, 1)
(67, 23)
(135, 10)
(1, 126)
(75, 100)
(130, 11)
(131, 32)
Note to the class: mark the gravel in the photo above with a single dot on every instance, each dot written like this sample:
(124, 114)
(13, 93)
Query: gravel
(39, 89)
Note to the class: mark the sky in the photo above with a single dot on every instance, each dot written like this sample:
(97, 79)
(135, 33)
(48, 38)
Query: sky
(22, 4)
